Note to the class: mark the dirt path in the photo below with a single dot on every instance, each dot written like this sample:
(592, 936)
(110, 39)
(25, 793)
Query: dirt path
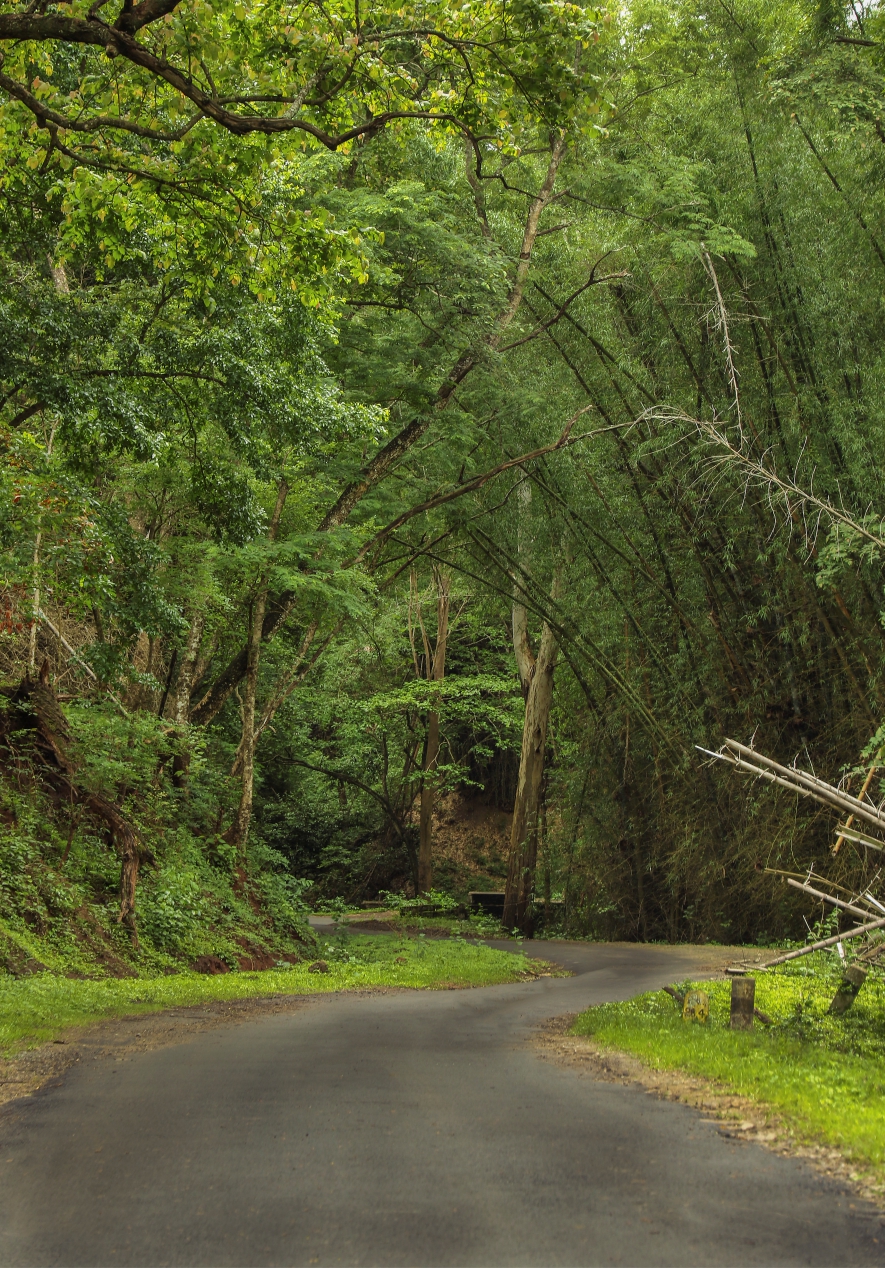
(406, 1128)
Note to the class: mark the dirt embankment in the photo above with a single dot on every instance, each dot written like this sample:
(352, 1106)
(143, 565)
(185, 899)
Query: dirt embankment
(470, 843)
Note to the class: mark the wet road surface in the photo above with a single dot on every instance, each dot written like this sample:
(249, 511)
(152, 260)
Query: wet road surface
(416, 1128)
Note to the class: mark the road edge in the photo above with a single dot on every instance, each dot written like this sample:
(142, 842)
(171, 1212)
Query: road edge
(740, 1118)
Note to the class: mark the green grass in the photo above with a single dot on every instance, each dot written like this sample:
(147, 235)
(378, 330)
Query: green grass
(38, 1008)
(824, 1075)
(477, 926)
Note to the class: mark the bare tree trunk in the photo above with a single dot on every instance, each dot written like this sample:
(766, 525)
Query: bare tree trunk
(186, 669)
(524, 829)
(35, 597)
(238, 832)
(181, 704)
(435, 671)
(536, 680)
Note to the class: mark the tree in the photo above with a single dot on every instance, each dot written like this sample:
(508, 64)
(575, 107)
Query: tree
(334, 79)
(536, 680)
(434, 671)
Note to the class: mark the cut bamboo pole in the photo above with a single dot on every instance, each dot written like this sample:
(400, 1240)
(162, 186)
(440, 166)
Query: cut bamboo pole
(842, 837)
(796, 776)
(796, 773)
(822, 945)
(858, 838)
(828, 898)
(807, 877)
(825, 796)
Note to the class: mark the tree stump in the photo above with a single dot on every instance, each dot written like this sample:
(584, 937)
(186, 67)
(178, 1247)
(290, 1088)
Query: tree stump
(743, 998)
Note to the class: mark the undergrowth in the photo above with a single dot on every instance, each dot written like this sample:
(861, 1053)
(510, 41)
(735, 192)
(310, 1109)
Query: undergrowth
(59, 875)
(824, 1074)
(476, 925)
(40, 1007)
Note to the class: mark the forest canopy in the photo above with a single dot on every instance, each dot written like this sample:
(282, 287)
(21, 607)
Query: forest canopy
(423, 426)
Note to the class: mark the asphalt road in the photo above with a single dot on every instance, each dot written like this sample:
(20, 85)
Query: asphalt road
(406, 1129)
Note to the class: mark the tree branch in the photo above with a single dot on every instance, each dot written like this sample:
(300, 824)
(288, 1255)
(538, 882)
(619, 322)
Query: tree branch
(477, 481)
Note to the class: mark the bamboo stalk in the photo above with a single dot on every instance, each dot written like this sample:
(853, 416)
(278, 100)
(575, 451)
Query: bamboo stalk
(823, 793)
(806, 876)
(828, 898)
(858, 838)
(824, 943)
(802, 777)
(842, 837)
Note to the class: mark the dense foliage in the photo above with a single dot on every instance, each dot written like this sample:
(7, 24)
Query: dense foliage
(504, 349)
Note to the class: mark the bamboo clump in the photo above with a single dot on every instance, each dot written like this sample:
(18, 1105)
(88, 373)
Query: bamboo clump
(861, 904)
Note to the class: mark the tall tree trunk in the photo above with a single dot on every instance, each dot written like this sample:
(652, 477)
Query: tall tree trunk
(181, 703)
(536, 680)
(185, 679)
(35, 596)
(435, 664)
(238, 832)
(524, 830)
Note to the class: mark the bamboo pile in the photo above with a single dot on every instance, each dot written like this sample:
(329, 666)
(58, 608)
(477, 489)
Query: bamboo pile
(863, 904)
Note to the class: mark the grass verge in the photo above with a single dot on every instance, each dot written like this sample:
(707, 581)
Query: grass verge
(38, 1008)
(448, 926)
(824, 1076)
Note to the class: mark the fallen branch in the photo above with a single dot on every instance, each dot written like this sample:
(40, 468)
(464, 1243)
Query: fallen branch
(813, 876)
(812, 782)
(66, 645)
(758, 471)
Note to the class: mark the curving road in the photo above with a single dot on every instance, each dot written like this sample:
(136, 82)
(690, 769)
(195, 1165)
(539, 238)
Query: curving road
(404, 1129)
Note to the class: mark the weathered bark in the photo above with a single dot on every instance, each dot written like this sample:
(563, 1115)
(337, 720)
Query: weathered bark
(238, 832)
(743, 995)
(33, 707)
(524, 829)
(35, 597)
(183, 687)
(435, 669)
(186, 669)
(279, 609)
(522, 650)
(35, 606)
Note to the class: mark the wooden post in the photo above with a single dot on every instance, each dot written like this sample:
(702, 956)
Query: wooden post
(743, 998)
(852, 980)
